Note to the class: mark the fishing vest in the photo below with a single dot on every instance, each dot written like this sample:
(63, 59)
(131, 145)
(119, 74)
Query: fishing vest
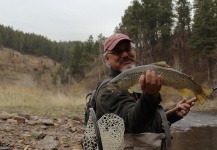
(108, 133)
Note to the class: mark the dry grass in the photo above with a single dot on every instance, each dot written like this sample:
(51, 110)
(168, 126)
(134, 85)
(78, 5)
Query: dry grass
(16, 99)
(34, 101)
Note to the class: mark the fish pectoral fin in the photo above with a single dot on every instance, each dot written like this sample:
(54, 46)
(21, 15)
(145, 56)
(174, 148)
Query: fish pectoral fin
(130, 91)
(185, 93)
(161, 63)
(136, 88)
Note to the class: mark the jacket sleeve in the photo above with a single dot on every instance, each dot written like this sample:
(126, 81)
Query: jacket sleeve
(172, 118)
(137, 115)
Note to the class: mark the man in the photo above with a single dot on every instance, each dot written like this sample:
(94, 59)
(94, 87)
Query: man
(139, 111)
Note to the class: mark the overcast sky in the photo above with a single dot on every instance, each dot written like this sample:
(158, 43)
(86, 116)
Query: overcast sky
(65, 20)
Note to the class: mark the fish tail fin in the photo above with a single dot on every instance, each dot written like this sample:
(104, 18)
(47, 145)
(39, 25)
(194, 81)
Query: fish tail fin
(206, 92)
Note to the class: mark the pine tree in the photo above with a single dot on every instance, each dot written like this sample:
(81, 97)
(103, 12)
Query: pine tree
(183, 10)
(204, 31)
(131, 21)
(204, 27)
(1, 40)
(164, 25)
(134, 24)
(20, 41)
(76, 61)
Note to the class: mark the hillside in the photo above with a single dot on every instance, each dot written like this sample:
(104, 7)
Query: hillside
(26, 70)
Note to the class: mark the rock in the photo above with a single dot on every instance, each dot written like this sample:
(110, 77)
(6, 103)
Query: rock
(24, 116)
(47, 143)
(26, 135)
(27, 147)
(58, 120)
(73, 129)
(34, 118)
(43, 127)
(1, 129)
(38, 135)
(19, 119)
(5, 148)
(12, 121)
(32, 122)
(47, 122)
(5, 115)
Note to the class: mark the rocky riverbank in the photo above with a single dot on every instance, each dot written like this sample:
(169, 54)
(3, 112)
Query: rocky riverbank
(26, 132)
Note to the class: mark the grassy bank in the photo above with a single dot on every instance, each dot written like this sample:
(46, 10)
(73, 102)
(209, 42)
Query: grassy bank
(34, 101)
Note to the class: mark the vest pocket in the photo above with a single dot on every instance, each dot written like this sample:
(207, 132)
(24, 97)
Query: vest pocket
(143, 141)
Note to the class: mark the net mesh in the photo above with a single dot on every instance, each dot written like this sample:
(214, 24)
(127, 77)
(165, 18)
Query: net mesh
(89, 142)
(111, 129)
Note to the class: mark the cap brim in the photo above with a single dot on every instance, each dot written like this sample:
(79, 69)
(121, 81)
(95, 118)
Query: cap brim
(112, 46)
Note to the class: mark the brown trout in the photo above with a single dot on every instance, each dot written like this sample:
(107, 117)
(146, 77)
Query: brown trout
(171, 77)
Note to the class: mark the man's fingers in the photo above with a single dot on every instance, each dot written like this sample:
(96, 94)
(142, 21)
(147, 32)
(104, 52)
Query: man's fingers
(150, 83)
(142, 80)
(183, 106)
(148, 77)
(159, 82)
(153, 78)
(192, 104)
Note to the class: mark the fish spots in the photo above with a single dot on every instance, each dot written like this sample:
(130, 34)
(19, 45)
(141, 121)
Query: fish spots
(170, 77)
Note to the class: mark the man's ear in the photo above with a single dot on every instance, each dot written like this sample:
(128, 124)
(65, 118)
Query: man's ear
(106, 59)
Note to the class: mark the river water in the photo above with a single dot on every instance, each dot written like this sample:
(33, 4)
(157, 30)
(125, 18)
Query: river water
(197, 131)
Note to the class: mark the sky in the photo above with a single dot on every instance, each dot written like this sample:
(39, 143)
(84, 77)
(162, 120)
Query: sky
(63, 20)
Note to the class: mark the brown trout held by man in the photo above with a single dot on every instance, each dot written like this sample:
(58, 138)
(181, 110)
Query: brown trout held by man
(171, 77)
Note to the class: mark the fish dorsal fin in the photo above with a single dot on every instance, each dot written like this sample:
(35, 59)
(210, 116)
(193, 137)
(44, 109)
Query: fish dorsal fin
(161, 63)
(192, 78)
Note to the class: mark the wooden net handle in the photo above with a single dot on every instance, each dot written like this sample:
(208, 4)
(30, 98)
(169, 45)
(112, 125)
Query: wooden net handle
(169, 112)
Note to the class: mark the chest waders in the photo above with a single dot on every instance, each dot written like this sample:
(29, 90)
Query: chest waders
(141, 141)
(150, 141)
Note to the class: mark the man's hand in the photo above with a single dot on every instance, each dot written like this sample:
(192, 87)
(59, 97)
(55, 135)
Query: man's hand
(150, 83)
(184, 108)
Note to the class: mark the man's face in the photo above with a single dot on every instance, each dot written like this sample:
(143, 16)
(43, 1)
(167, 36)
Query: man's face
(122, 57)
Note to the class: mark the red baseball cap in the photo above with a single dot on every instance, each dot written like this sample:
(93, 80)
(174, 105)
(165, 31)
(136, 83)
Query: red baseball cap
(113, 40)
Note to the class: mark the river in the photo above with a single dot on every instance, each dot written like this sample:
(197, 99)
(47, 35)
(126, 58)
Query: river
(197, 131)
